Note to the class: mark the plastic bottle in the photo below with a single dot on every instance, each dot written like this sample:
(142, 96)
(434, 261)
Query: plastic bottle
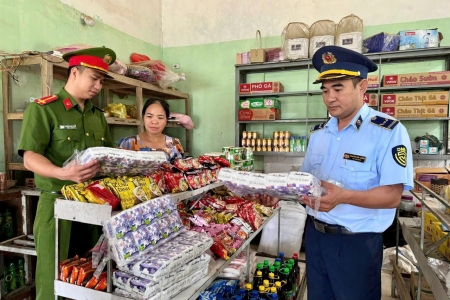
(287, 287)
(20, 273)
(262, 292)
(254, 294)
(272, 296)
(9, 230)
(248, 290)
(277, 266)
(257, 279)
(303, 144)
(241, 293)
(296, 268)
(291, 278)
(236, 297)
(228, 292)
(294, 274)
(280, 292)
(271, 279)
(266, 284)
(281, 256)
(265, 269)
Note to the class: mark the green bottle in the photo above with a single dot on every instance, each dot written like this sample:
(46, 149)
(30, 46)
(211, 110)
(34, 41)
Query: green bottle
(2, 225)
(11, 277)
(9, 229)
(20, 273)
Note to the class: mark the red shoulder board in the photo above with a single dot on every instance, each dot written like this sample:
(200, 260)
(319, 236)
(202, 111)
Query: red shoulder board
(46, 99)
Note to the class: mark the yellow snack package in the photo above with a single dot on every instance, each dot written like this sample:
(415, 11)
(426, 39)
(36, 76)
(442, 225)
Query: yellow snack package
(146, 188)
(75, 192)
(123, 188)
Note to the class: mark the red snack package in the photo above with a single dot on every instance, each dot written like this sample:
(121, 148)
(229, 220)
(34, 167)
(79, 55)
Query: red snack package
(84, 273)
(166, 166)
(101, 192)
(206, 160)
(217, 203)
(101, 285)
(193, 181)
(136, 57)
(234, 200)
(75, 271)
(67, 261)
(66, 270)
(183, 164)
(91, 283)
(222, 161)
(176, 182)
(158, 177)
(218, 249)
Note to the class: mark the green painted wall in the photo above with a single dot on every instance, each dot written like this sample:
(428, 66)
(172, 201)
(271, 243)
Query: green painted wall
(210, 81)
(44, 24)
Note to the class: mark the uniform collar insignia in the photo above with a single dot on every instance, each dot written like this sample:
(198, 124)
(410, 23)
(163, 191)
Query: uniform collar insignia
(358, 122)
(67, 103)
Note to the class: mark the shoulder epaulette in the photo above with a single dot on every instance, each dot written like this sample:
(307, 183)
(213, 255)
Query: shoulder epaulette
(386, 123)
(46, 100)
(98, 108)
(318, 127)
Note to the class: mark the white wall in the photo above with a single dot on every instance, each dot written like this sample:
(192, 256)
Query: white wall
(193, 22)
(138, 18)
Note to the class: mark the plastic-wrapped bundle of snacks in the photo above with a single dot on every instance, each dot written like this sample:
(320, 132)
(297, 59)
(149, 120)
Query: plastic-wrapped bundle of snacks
(148, 287)
(168, 257)
(138, 230)
(119, 161)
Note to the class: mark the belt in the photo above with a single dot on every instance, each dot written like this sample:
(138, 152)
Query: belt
(330, 229)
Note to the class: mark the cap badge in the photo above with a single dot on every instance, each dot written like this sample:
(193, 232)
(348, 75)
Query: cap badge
(107, 59)
(328, 58)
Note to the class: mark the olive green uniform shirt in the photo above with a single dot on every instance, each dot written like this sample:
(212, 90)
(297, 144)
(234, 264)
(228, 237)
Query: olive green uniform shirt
(58, 128)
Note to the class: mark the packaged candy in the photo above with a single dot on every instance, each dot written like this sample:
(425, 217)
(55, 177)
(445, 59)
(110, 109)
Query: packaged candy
(206, 160)
(176, 182)
(117, 226)
(97, 191)
(158, 177)
(101, 285)
(124, 190)
(222, 161)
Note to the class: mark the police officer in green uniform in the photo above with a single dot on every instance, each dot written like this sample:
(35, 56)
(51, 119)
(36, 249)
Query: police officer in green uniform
(53, 128)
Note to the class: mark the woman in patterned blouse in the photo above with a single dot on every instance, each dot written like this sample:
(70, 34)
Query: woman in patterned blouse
(155, 114)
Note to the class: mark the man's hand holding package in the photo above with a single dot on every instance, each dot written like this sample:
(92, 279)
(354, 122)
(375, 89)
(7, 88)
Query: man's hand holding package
(328, 201)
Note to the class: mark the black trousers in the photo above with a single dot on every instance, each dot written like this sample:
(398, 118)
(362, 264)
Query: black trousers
(343, 267)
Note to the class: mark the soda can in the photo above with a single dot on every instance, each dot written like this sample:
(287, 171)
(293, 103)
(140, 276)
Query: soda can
(287, 135)
(258, 149)
(253, 142)
(276, 149)
(269, 148)
(244, 135)
(276, 135)
(286, 142)
(281, 135)
(258, 143)
(254, 135)
(264, 142)
(269, 142)
(244, 143)
(276, 142)
(264, 148)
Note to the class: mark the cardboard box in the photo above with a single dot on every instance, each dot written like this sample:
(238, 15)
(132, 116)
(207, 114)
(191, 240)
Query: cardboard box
(258, 103)
(424, 176)
(374, 81)
(266, 87)
(427, 98)
(418, 39)
(244, 88)
(415, 111)
(417, 79)
(274, 55)
(260, 114)
(424, 143)
(257, 56)
(428, 150)
(425, 289)
(371, 99)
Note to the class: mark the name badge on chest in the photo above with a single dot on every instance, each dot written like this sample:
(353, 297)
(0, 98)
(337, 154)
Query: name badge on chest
(354, 157)
(67, 127)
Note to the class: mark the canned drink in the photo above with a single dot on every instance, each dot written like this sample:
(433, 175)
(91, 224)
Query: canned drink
(281, 135)
(254, 149)
(287, 149)
(244, 143)
(287, 134)
(258, 142)
(286, 142)
(264, 148)
(264, 142)
(254, 135)
(281, 143)
(253, 143)
(269, 148)
(269, 142)
(249, 143)
(276, 135)
(244, 134)
(258, 148)
(276, 149)
(276, 142)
